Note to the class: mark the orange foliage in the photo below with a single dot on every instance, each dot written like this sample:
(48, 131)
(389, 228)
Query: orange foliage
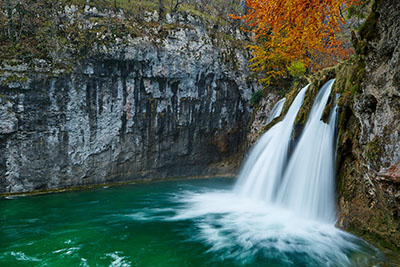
(289, 31)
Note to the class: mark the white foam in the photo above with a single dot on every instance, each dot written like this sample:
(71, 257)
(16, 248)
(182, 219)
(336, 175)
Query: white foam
(242, 228)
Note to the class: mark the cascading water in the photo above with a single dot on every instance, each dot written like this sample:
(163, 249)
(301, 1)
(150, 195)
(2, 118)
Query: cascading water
(264, 167)
(303, 184)
(276, 110)
(308, 184)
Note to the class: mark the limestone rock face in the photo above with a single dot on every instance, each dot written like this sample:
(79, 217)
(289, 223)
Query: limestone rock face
(261, 115)
(148, 109)
(8, 119)
(369, 187)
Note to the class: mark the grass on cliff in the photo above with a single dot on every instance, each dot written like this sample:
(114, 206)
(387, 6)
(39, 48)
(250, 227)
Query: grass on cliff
(41, 29)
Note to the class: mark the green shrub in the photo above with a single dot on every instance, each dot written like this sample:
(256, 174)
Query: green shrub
(297, 69)
(256, 97)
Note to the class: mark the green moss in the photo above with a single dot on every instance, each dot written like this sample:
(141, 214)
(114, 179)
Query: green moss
(197, 13)
(256, 98)
(316, 82)
(356, 78)
(372, 236)
(289, 94)
(348, 127)
(368, 30)
(328, 110)
(373, 149)
(350, 76)
(345, 104)
(271, 124)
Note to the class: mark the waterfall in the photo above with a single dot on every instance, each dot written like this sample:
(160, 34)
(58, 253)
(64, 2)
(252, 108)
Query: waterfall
(304, 180)
(276, 110)
(282, 208)
(264, 167)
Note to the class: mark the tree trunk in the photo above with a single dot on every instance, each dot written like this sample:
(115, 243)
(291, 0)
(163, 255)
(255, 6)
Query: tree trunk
(11, 29)
(176, 6)
(160, 9)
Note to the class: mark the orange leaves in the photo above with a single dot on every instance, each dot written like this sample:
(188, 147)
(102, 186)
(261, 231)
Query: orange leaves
(290, 31)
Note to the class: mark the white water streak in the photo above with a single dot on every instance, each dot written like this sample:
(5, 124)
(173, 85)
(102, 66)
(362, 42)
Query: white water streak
(276, 110)
(264, 167)
(308, 186)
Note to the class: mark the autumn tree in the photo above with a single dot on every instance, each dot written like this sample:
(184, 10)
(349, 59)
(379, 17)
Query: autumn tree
(295, 32)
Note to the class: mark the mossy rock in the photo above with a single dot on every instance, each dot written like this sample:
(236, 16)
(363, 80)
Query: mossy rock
(290, 96)
(316, 82)
(368, 30)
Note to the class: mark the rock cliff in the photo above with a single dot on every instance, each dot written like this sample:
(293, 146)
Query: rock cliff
(369, 142)
(140, 108)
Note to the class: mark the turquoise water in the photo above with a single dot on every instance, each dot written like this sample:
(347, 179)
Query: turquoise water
(176, 223)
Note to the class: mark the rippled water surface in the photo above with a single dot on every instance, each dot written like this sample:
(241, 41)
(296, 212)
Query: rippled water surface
(177, 223)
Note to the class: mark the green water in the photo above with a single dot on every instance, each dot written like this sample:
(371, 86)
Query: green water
(140, 225)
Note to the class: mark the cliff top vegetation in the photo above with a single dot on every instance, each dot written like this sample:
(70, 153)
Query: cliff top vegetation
(62, 30)
(290, 38)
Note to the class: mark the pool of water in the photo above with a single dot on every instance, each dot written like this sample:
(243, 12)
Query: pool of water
(175, 223)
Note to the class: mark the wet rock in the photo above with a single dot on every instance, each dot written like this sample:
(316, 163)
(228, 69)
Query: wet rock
(369, 176)
(8, 118)
(261, 115)
(150, 109)
(391, 175)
